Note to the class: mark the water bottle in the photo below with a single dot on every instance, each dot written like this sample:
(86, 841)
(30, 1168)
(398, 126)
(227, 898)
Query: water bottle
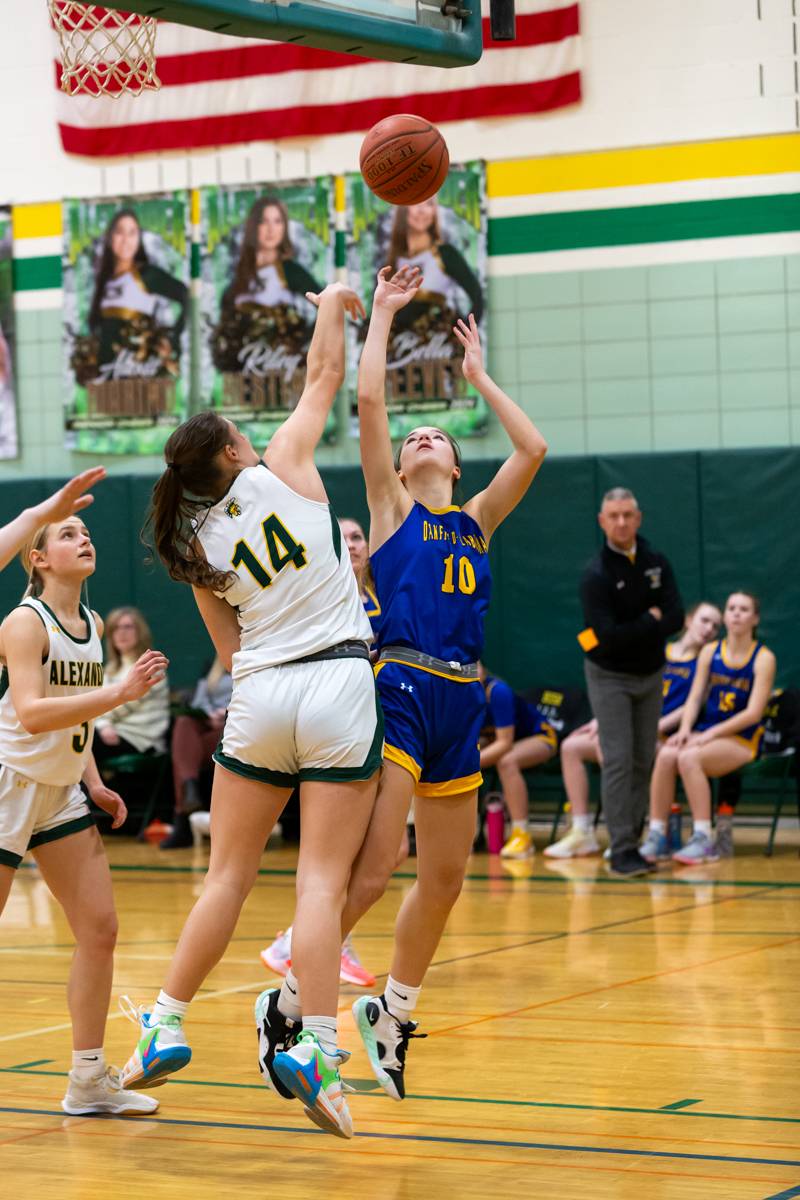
(724, 840)
(495, 823)
(674, 833)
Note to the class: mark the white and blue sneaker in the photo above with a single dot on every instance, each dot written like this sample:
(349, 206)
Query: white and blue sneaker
(162, 1048)
(311, 1075)
(699, 849)
(655, 847)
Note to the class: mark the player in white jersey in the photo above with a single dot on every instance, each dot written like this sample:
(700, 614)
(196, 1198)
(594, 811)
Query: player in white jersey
(51, 690)
(273, 583)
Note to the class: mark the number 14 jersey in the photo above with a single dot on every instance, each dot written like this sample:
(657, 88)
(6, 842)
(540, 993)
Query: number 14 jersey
(295, 592)
(434, 584)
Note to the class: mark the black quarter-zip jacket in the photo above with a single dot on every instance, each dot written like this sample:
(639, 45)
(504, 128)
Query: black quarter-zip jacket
(616, 595)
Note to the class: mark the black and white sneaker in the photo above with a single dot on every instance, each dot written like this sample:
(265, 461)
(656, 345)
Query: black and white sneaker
(276, 1033)
(386, 1041)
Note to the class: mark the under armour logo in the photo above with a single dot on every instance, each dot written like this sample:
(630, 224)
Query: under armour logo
(406, 687)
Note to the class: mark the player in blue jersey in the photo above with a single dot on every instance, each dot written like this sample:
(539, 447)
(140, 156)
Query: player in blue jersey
(430, 564)
(720, 728)
(583, 745)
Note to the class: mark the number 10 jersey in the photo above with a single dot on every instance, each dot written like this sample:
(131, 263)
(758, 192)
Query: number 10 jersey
(294, 592)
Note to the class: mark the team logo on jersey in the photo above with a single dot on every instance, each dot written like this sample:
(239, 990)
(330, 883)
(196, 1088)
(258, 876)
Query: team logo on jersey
(233, 508)
(654, 575)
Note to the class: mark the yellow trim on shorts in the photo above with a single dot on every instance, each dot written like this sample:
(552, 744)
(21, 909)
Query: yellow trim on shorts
(402, 759)
(451, 787)
(753, 743)
(548, 735)
(427, 670)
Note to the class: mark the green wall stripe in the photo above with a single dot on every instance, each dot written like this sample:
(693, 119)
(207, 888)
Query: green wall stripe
(195, 260)
(687, 221)
(340, 249)
(34, 274)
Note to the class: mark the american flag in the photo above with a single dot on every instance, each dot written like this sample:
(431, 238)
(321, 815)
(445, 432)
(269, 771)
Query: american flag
(219, 90)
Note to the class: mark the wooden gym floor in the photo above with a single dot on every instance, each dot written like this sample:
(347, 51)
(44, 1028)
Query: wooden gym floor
(587, 1038)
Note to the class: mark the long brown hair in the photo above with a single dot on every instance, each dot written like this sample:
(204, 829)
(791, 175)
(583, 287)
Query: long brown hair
(108, 263)
(144, 638)
(247, 266)
(191, 483)
(398, 239)
(37, 541)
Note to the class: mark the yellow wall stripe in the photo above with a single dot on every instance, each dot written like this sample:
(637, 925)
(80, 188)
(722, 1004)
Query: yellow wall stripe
(195, 200)
(340, 194)
(37, 220)
(650, 164)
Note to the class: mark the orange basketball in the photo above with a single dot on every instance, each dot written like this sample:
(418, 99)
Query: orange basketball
(404, 159)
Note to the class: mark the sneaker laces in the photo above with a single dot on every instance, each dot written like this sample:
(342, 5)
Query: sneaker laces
(407, 1031)
(133, 1012)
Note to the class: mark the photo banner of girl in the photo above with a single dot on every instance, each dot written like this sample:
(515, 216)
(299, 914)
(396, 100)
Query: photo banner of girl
(263, 247)
(126, 294)
(446, 238)
(9, 447)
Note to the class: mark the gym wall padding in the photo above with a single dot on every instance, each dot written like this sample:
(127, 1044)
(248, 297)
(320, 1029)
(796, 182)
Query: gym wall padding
(725, 519)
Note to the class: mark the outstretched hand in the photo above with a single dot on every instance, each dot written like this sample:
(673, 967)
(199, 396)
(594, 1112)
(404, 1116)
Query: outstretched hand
(396, 291)
(350, 300)
(72, 497)
(110, 802)
(470, 339)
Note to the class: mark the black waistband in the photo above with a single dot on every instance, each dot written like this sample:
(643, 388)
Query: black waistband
(349, 649)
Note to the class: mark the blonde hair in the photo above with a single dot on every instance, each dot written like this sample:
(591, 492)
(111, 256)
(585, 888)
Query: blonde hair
(144, 638)
(37, 541)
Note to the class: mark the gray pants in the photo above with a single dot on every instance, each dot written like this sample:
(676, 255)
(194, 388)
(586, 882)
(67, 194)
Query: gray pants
(627, 708)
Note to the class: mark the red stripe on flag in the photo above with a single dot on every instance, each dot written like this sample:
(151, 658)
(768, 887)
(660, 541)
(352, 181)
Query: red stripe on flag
(317, 120)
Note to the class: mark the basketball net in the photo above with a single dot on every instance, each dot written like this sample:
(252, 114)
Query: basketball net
(104, 52)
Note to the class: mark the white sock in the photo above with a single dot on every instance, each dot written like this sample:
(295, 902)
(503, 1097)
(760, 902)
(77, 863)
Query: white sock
(86, 1064)
(657, 826)
(324, 1029)
(519, 826)
(167, 1006)
(583, 822)
(703, 827)
(401, 999)
(289, 997)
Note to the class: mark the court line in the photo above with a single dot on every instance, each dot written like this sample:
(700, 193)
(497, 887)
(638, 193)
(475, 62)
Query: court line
(677, 1104)
(665, 1111)
(435, 1139)
(795, 1191)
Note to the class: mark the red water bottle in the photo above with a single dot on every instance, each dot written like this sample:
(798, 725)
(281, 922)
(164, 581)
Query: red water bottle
(495, 823)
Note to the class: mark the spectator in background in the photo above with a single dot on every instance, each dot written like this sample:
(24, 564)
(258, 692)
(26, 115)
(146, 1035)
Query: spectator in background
(631, 605)
(140, 726)
(195, 737)
(583, 746)
(522, 738)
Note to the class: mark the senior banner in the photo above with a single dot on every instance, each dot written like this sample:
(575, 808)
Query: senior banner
(126, 348)
(263, 247)
(446, 238)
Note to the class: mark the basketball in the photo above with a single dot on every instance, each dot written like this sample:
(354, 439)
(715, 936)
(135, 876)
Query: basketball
(404, 159)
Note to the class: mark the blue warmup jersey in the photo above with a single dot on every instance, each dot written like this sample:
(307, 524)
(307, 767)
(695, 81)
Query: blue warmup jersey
(678, 679)
(433, 582)
(504, 707)
(729, 693)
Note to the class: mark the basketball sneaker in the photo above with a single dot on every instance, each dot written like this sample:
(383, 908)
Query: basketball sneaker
(519, 845)
(351, 970)
(655, 847)
(311, 1075)
(162, 1048)
(699, 849)
(103, 1093)
(576, 844)
(386, 1042)
(278, 956)
(276, 1033)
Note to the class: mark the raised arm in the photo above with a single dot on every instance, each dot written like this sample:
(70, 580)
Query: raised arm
(67, 501)
(389, 502)
(290, 453)
(491, 506)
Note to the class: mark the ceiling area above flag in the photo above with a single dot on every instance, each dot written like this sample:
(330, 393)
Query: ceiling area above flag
(220, 91)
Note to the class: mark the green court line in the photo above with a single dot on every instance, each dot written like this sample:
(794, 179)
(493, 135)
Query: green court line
(679, 1104)
(605, 881)
(667, 1111)
(39, 1062)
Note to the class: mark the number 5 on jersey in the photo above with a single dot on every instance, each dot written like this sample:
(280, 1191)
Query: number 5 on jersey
(281, 547)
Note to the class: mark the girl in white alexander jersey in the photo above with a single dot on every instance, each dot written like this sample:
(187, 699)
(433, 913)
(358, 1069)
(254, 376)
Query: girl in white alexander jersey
(52, 690)
(273, 583)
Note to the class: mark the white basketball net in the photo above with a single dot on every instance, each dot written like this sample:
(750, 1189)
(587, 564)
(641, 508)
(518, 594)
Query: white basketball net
(104, 52)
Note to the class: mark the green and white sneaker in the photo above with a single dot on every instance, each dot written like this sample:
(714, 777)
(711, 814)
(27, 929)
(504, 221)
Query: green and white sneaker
(313, 1077)
(162, 1048)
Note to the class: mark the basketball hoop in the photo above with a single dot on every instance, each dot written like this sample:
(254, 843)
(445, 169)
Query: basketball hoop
(104, 52)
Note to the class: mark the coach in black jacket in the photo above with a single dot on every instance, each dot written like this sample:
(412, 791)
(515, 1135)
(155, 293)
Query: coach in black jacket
(631, 605)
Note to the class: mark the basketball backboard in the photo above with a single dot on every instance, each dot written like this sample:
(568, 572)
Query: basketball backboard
(445, 33)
